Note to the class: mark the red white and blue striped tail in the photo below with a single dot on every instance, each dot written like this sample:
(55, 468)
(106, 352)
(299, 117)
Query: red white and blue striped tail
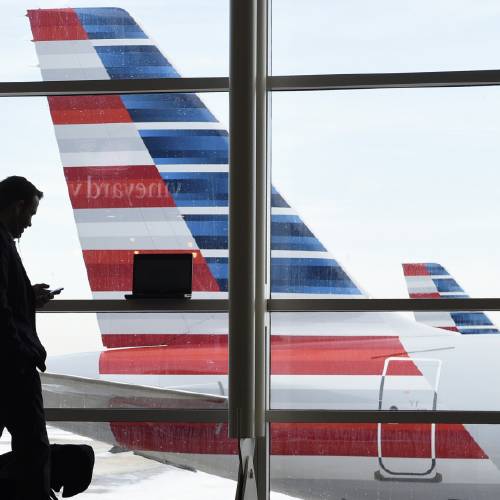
(432, 281)
(149, 173)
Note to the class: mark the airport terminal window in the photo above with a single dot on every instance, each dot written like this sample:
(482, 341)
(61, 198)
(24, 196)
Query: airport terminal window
(135, 360)
(369, 180)
(384, 461)
(359, 210)
(166, 188)
(379, 178)
(160, 39)
(383, 360)
(331, 36)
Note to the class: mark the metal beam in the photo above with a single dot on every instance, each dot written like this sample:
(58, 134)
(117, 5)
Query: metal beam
(99, 87)
(272, 416)
(275, 83)
(242, 223)
(385, 80)
(131, 306)
(262, 257)
(384, 416)
(262, 227)
(133, 415)
(273, 305)
(388, 305)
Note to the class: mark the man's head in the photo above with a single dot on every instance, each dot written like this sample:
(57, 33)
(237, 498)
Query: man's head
(19, 200)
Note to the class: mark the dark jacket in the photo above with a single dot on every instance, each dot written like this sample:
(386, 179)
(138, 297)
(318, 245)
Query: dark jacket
(20, 347)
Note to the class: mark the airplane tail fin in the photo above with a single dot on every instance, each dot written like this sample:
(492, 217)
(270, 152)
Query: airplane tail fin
(432, 281)
(149, 173)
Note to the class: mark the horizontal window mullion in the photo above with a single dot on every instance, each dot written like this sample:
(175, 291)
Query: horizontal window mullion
(382, 305)
(97, 87)
(134, 415)
(272, 416)
(275, 83)
(131, 306)
(384, 80)
(274, 305)
(383, 416)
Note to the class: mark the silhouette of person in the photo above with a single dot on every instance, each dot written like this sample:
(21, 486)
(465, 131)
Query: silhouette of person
(21, 352)
(71, 470)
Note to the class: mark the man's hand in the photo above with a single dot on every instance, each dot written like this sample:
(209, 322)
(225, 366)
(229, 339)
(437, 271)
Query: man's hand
(42, 294)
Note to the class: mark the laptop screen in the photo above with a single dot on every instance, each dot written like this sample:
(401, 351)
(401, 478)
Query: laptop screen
(168, 274)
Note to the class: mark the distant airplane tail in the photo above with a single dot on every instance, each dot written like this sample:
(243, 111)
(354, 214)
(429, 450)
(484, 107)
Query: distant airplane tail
(432, 281)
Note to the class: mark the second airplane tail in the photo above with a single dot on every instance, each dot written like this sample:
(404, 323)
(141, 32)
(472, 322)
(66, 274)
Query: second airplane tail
(430, 280)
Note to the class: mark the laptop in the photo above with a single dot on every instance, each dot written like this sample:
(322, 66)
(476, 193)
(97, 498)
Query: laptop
(162, 276)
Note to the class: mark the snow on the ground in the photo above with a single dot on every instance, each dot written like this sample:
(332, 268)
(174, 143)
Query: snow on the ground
(125, 476)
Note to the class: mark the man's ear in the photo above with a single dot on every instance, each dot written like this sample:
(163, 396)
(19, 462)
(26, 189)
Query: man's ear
(19, 206)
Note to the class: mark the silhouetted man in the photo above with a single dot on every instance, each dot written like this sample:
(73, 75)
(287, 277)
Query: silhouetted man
(21, 352)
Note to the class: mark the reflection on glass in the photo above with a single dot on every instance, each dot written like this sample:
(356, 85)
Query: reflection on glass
(385, 461)
(149, 460)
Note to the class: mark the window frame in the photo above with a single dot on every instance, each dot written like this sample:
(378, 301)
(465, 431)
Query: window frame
(254, 37)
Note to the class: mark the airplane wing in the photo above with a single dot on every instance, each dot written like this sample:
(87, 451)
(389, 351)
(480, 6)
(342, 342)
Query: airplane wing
(432, 281)
(178, 444)
(66, 391)
(341, 454)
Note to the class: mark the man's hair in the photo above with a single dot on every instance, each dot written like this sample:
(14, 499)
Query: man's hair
(16, 188)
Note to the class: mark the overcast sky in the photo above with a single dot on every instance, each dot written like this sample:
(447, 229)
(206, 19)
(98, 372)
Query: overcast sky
(381, 177)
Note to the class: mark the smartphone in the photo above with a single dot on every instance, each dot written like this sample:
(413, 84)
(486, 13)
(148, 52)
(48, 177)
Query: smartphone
(56, 291)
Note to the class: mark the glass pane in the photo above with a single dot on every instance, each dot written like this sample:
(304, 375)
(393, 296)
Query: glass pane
(99, 41)
(360, 36)
(388, 361)
(386, 193)
(135, 360)
(134, 174)
(396, 461)
(151, 460)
